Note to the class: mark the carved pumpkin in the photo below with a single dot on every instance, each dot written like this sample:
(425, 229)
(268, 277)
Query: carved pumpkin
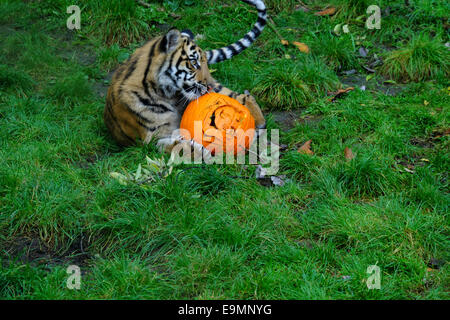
(225, 123)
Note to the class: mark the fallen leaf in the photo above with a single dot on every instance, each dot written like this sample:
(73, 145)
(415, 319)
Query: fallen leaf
(175, 16)
(348, 154)
(138, 173)
(376, 63)
(370, 77)
(120, 177)
(425, 102)
(277, 181)
(260, 172)
(349, 72)
(301, 46)
(337, 29)
(363, 52)
(369, 69)
(327, 12)
(284, 42)
(306, 148)
(268, 181)
(339, 93)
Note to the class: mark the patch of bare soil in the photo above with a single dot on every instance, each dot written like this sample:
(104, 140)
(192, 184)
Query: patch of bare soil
(436, 137)
(289, 119)
(359, 81)
(286, 119)
(90, 159)
(101, 87)
(33, 251)
(83, 55)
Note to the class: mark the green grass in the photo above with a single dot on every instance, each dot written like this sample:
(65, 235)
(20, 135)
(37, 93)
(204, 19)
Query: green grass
(74, 89)
(109, 57)
(295, 84)
(10, 78)
(421, 59)
(337, 52)
(121, 21)
(215, 232)
(277, 6)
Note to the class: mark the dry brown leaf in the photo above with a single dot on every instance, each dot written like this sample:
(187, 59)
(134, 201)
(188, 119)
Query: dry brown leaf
(284, 42)
(327, 12)
(301, 46)
(306, 148)
(348, 154)
(339, 93)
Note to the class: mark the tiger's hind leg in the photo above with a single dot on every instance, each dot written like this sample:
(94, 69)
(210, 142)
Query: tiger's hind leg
(245, 99)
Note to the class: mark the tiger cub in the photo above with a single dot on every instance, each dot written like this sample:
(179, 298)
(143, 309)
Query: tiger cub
(149, 92)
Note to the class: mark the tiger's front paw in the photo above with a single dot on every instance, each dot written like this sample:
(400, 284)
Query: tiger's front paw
(201, 152)
(255, 110)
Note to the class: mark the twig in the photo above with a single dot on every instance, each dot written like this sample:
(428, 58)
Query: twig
(271, 25)
(143, 3)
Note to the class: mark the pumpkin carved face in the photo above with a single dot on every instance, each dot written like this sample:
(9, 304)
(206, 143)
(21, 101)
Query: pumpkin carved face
(225, 123)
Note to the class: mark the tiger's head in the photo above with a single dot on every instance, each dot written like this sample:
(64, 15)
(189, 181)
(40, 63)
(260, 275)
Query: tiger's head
(185, 68)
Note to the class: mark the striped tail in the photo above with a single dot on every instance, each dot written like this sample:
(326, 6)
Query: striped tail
(225, 53)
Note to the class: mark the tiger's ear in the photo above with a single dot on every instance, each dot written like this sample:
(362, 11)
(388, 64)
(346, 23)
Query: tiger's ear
(187, 33)
(170, 41)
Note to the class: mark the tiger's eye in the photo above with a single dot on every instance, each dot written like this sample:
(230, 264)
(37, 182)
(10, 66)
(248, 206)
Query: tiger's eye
(194, 63)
